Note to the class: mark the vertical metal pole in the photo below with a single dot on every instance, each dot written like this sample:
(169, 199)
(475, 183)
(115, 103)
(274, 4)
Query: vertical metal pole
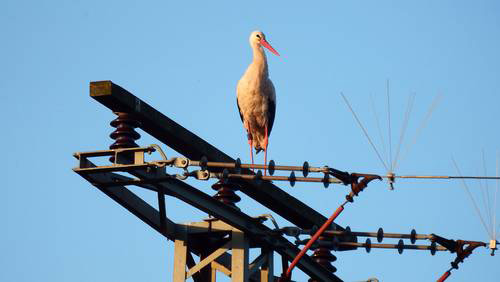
(180, 254)
(267, 270)
(162, 210)
(239, 258)
(214, 275)
(206, 272)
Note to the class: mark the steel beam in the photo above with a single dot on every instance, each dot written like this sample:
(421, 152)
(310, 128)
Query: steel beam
(140, 208)
(190, 145)
(183, 191)
(250, 226)
(132, 203)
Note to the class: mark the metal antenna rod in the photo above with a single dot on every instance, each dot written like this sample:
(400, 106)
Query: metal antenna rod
(420, 128)
(441, 177)
(495, 205)
(411, 100)
(379, 129)
(472, 198)
(364, 131)
(389, 121)
(488, 199)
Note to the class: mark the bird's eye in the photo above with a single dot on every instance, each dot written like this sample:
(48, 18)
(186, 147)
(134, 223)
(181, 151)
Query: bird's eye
(258, 36)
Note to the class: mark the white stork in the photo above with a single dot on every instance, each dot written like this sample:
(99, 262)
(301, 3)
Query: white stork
(256, 98)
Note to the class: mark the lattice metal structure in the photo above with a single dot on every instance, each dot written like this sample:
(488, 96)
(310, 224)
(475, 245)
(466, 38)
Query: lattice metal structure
(223, 241)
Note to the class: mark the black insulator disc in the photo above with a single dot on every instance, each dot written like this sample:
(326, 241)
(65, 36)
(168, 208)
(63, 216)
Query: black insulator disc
(335, 243)
(203, 163)
(433, 248)
(380, 235)
(270, 167)
(400, 246)
(237, 166)
(368, 245)
(349, 198)
(305, 169)
(225, 173)
(258, 178)
(291, 178)
(326, 180)
(348, 231)
(413, 236)
(314, 229)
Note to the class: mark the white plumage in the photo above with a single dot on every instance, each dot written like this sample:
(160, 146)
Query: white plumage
(256, 97)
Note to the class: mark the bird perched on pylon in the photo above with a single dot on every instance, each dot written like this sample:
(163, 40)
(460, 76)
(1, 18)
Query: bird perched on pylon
(256, 97)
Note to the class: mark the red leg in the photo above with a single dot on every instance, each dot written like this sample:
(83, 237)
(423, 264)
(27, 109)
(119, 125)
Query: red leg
(266, 141)
(251, 149)
(249, 136)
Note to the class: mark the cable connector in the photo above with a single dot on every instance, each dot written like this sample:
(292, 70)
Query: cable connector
(493, 246)
(356, 186)
(456, 246)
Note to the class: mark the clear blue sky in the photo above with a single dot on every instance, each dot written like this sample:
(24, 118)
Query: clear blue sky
(184, 58)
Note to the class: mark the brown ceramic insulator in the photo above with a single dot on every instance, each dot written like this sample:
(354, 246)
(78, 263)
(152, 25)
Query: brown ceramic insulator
(323, 256)
(125, 134)
(226, 193)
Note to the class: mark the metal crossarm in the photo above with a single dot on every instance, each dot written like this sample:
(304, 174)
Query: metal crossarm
(190, 145)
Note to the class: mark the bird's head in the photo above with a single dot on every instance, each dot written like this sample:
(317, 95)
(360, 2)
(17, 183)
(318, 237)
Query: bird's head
(257, 38)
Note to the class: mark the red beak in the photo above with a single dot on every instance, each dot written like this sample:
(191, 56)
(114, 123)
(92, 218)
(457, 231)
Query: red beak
(264, 43)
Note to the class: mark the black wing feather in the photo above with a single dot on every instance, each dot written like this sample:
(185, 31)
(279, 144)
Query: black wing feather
(271, 107)
(239, 110)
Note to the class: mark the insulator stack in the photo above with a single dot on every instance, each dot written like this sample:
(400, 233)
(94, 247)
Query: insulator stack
(124, 134)
(323, 255)
(226, 192)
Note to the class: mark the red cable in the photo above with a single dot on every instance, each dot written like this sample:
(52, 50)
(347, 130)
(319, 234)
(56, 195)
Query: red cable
(313, 239)
(444, 276)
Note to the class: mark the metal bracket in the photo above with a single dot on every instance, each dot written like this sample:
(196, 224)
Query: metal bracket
(356, 186)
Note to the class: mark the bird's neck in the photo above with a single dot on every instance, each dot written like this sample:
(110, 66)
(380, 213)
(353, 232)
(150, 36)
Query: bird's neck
(259, 62)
